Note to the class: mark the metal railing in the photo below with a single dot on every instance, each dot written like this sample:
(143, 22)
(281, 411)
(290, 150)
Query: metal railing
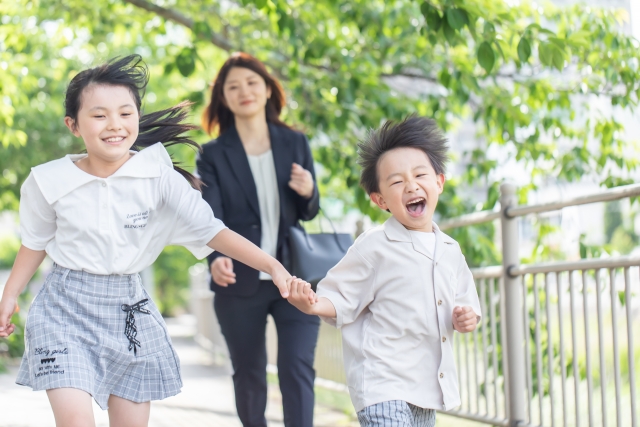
(556, 344)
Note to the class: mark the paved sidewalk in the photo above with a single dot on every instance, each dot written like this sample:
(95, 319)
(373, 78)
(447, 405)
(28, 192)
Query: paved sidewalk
(206, 398)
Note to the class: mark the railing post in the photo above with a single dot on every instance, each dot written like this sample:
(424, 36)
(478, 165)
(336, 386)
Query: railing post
(515, 361)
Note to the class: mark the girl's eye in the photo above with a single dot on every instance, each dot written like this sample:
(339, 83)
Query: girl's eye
(126, 114)
(98, 117)
(397, 182)
(422, 174)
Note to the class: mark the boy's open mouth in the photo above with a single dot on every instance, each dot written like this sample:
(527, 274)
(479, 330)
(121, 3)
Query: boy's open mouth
(416, 206)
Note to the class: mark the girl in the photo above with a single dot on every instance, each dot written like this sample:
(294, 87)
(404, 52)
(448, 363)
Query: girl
(103, 216)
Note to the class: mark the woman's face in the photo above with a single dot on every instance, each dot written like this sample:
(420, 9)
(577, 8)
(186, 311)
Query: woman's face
(245, 92)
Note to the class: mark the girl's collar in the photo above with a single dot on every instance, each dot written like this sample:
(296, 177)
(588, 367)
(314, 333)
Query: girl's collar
(60, 177)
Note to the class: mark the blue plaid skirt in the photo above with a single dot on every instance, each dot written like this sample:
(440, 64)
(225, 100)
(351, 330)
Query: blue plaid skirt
(98, 334)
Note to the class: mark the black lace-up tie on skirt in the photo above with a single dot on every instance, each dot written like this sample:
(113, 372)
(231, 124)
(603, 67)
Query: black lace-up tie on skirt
(130, 330)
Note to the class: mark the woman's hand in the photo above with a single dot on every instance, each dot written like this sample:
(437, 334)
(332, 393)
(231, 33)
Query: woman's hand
(301, 181)
(7, 308)
(222, 271)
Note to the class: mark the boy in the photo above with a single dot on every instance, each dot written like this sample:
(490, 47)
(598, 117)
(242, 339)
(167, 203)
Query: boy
(402, 288)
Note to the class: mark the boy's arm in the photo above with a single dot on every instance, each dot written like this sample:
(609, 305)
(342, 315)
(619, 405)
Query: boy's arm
(348, 289)
(466, 313)
(26, 263)
(237, 247)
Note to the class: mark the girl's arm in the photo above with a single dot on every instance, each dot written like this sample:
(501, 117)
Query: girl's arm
(26, 263)
(237, 247)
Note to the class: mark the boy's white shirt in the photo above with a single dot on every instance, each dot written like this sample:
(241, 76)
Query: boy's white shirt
(114, 225)
(397, 339)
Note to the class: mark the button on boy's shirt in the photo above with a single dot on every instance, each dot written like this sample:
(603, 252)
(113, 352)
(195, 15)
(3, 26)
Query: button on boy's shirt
(114, 225)
(394, 301)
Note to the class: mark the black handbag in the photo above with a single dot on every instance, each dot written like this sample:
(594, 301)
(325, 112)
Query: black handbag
(313, 255)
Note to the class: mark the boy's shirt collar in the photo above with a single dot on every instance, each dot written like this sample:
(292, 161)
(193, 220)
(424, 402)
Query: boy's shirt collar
(60, 177)
(395, 231)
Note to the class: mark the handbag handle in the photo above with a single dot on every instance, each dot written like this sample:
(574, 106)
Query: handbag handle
(335, 233)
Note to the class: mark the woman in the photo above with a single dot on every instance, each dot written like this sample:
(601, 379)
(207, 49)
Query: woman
(260, 181)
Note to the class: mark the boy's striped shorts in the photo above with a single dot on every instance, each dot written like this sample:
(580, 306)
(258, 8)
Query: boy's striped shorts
(396, 413)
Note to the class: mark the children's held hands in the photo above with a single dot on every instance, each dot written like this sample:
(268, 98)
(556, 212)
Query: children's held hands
(222, 271)
(464, 319)
(8, 306)
(281, 278)
(301, 181)
(301, 295)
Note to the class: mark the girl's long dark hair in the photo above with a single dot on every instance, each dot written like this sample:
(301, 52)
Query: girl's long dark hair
(217, 116)
(165, 126)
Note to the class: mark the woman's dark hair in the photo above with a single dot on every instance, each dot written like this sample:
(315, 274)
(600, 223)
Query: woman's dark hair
(412, 132)
(165, 126)
(217, 116)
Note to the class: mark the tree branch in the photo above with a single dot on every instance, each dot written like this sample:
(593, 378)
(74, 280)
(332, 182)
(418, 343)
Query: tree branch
(412, 76)
(177, 17)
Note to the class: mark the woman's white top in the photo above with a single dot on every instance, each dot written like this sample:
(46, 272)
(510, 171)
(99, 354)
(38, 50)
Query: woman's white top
(114, 225)
(263, 170)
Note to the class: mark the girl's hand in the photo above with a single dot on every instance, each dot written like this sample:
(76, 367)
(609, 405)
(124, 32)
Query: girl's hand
(222, 271)
(281, 278)
(302, 296)
(8, 306)
(464, 319)
(301, 181)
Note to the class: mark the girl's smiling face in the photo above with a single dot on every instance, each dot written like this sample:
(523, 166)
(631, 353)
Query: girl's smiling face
(107, 121)
(409, 187)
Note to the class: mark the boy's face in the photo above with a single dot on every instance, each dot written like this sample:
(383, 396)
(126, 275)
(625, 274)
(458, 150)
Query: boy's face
(409, 187)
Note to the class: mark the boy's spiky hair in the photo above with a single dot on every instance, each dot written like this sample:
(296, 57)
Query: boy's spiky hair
(413, 132)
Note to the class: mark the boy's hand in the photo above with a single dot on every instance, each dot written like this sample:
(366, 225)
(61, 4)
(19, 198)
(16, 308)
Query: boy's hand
(464, 319)
(301, 296)
(7, 308)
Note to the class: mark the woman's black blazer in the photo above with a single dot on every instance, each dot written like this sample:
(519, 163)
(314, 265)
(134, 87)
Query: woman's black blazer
(231, 191)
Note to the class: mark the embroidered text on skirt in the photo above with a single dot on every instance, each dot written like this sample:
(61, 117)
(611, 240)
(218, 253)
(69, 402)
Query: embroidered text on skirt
(130, 330)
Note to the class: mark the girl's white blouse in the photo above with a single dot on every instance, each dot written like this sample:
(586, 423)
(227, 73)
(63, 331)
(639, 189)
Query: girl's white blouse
(114, 225)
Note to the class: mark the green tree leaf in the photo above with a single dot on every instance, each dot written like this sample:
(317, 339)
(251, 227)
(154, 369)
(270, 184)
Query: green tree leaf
(545, 52)
(449, 33)
(186, 61)
(431, 16)
(524, 50)
(486, 56)
(456, 17)
(558, 58)
(202, 30)
(622, 297)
